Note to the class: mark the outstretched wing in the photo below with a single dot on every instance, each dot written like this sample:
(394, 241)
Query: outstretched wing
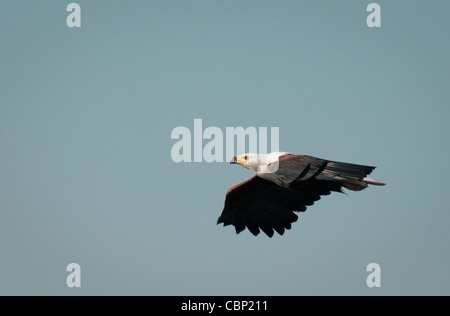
(260, 204)
(297, 168)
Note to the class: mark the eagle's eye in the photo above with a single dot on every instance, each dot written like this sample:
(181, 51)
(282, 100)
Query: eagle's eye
(246, 158)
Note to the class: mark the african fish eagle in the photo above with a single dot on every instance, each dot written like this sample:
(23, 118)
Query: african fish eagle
(283, 184)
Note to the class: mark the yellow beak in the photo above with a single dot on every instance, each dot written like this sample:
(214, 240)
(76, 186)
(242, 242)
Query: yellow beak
(238, 159)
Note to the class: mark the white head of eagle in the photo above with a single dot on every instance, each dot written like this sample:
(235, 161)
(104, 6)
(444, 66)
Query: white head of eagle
(259, 163)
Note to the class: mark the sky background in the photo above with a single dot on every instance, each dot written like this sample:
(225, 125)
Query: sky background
(86, 174)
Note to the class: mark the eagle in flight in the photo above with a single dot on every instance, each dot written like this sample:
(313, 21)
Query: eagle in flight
(284, 184)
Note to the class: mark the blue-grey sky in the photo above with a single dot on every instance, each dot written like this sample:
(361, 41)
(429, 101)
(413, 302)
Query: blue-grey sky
(86, 115)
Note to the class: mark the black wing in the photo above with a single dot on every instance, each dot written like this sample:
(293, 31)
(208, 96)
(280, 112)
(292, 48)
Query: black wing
(260, 204)
(297, 168)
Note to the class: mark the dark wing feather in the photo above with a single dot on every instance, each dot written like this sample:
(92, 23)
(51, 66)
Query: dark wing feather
(259, 204)
(296, 168)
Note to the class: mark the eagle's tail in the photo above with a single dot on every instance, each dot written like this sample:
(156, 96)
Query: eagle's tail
(373, 181)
